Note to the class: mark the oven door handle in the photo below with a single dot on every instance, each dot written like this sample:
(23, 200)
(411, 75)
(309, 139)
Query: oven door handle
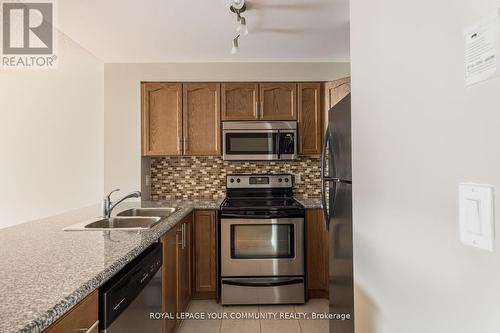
(249, 283)
(297, 213)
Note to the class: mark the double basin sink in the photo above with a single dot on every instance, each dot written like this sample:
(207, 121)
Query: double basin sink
(130, 219)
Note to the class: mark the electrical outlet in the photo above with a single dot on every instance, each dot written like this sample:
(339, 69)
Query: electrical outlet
(297, 178)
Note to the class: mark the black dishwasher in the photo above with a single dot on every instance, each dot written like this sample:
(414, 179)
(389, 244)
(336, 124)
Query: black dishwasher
(128, 298)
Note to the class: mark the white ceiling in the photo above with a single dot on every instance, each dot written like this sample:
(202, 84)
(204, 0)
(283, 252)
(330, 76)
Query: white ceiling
(202, 30)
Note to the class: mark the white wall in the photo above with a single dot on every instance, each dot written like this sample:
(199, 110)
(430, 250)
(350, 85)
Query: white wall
(51, 137)
(417, 133)
(123, 103)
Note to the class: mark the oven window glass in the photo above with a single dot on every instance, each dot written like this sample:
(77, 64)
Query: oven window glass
(251, 143)
(262, 241)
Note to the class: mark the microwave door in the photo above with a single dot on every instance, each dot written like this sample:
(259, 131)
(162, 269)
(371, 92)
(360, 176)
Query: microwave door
(251, 145)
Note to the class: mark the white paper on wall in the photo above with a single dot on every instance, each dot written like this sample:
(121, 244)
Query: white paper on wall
(482, 50)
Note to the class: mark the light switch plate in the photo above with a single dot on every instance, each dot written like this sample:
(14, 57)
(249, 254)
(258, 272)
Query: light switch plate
(477, 215)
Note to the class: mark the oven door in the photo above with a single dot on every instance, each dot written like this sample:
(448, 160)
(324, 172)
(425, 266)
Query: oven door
(251, 144)
(262, 247)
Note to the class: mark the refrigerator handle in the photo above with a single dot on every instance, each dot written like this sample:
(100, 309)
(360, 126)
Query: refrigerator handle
(323, 181)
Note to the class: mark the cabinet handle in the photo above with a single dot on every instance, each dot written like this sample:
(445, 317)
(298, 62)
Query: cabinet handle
(177, 233)
(184, 145)
(90, 329)
(257, 109)
(261, 109)
(183, 236)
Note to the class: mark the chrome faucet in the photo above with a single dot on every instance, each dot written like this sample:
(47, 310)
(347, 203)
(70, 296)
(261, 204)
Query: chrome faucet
(108, 206)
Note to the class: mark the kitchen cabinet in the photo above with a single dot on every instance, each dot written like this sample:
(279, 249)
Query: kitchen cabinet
(334, 91)
(161, 118)
(185, 118)
(169, 279)
(317, 254)
(240, 101)
(205, 265)
(82, 318)
(176, 271)
(278, 101)
(310, 129)
(184, 263)
(201, 119)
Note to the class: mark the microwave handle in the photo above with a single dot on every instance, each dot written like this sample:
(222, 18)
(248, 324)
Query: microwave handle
(279, 145)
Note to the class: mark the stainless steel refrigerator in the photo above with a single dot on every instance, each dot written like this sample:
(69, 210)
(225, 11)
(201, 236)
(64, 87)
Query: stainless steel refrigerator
(336, 195)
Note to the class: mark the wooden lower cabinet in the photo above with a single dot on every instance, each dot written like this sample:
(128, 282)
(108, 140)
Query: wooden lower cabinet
(205, 265)
(169, 279)
(79, 319)
(184, 263)
(176, 271)
(317, 254)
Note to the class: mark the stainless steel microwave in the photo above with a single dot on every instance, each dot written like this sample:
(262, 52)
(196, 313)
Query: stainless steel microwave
(259, 140)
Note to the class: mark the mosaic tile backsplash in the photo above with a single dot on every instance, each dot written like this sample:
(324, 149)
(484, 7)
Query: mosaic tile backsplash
(205, 177)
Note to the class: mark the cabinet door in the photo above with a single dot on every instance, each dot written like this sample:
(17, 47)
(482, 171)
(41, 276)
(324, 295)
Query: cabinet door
(278, 101)
(184, 264)
(334, 92)
(240, 101)
(187, 264)
(169, 277)
(205, 276)
(201, 118)
(317, 254)
(81, 318)
(309, 118)
(161, 118)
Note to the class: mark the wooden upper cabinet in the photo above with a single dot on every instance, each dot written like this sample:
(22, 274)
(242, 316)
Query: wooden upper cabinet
(201, 118)
(309, 118)
(334, 92)
(161, 118)
(240, 101)
(278, 101)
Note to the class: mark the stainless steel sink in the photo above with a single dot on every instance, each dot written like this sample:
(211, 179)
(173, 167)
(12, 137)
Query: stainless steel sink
(153, 211)
(124, 223)
(117, 223)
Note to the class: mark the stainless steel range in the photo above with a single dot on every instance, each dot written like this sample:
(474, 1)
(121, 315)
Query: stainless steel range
(261, 241)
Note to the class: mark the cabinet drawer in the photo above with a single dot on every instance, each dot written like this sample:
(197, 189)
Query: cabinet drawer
(79, 319)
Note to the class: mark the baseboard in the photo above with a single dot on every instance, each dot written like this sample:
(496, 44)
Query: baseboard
(204, 295)
(318, 293)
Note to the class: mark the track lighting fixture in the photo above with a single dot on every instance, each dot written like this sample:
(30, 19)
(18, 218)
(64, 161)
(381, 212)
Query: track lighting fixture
(236, 46)
(238, 7)
(242, 26)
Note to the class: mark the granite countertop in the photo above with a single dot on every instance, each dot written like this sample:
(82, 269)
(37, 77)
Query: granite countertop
(309, 202)
(45, 271)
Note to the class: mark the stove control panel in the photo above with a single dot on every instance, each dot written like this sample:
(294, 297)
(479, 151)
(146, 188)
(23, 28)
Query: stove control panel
(259, 181)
